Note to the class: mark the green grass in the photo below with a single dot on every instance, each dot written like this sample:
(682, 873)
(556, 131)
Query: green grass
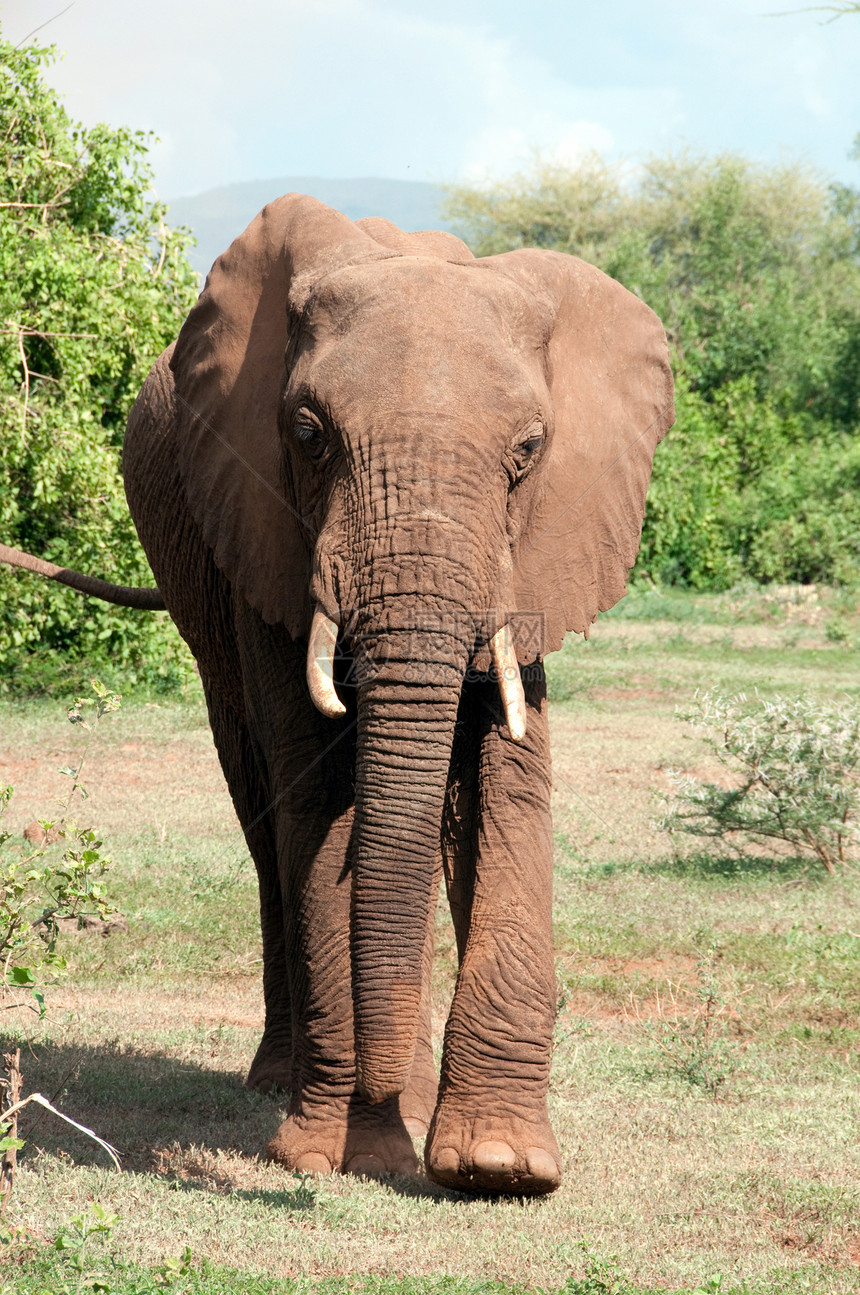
(45, 1275)
(677, 641)
(701, 1152)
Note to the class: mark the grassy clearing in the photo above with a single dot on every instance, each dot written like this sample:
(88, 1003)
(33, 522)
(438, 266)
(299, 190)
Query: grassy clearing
(705, 1082)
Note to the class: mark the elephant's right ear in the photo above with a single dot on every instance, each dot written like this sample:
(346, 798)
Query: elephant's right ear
(228, 368)
(610, 389)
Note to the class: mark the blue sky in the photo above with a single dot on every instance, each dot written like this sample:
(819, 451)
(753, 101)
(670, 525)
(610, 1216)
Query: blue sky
(453, 89)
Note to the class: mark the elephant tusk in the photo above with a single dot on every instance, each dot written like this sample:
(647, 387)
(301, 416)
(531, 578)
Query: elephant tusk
(510, 682)
(320, 668)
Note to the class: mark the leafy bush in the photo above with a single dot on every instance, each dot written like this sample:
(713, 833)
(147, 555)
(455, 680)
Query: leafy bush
(693, 488)
(741, 491)
(37, 900)
(795, 775)
(92, 287)
(799, 521)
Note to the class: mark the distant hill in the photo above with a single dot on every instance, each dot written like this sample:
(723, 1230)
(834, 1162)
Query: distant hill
(217, 216)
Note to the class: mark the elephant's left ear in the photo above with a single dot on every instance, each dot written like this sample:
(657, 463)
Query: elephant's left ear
(611, 395)
(228, 368)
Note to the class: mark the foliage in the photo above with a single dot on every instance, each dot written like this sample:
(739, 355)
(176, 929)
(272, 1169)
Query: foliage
(75, 1237)
(39, 894)
(795, 770)
(36, 900)
(740, 490)
(755, 272)
(753, 269)
(92, 287)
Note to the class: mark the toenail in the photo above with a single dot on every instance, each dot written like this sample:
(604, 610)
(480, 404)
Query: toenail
(445, 1161)
(540, 1164)
(367, 1166)
(312, 1162)
(493, 1157)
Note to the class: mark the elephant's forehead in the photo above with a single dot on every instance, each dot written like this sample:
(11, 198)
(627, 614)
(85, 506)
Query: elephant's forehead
(425, 329)
(399, 282)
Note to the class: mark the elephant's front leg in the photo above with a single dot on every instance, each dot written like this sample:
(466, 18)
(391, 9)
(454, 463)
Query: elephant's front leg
(310, 774)
(491, 1129)
(329, 1126)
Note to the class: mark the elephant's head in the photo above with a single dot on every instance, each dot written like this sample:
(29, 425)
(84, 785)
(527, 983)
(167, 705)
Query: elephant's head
(444, 460)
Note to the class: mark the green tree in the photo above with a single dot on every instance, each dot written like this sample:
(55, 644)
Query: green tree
(93, 285)
(755, 271)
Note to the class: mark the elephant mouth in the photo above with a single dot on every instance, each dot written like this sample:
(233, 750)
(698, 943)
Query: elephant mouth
(320, 673)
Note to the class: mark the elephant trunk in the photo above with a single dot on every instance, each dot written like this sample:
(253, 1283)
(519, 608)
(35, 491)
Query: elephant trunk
(407, 709)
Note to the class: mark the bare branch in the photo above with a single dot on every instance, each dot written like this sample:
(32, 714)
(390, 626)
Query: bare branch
(162, 234)
(835, 10)
(46, 23)
(9, 1162)
(29, 206)
(20, 329)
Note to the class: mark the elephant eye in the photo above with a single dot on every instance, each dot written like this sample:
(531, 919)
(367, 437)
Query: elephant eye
(525, 449)
(310, 433)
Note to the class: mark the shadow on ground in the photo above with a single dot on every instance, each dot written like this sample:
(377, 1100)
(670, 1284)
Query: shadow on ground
(721, 867)
(138, 1102)
(163, 1115)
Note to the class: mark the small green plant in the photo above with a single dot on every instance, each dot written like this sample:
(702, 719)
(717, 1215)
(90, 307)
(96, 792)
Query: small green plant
(602, 1276)
(698, 1048)
(39, 894)
(74, 1239)
(211, 885)
(836, 630)
(795, 775)
(694, 1044)
(172, 1268)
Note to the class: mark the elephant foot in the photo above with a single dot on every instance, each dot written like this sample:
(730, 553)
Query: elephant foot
(347, 1136)
(503, 1155)
(272, 1068)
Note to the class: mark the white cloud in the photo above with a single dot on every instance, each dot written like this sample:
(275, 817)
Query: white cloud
(580, 139)
(523, 110)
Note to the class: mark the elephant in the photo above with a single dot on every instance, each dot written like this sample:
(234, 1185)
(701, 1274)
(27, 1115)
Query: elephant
(377, 480)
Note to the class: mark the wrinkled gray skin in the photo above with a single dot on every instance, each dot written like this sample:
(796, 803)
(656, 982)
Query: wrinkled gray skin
(381, 428)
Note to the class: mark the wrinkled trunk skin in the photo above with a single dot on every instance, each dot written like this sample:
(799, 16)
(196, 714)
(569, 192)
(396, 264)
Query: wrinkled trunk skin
(407, 708)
